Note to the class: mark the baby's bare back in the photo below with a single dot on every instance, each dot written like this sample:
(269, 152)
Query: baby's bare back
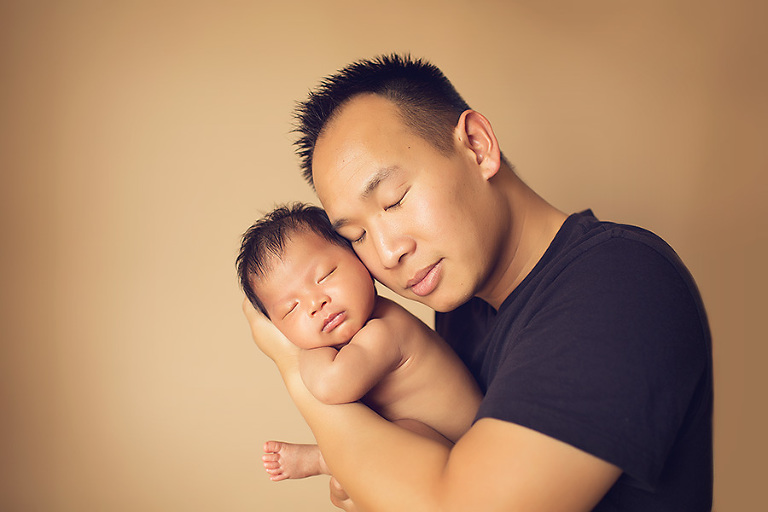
(430, 384)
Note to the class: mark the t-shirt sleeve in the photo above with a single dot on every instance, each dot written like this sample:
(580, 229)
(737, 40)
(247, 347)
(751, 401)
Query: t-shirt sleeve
(609, 361)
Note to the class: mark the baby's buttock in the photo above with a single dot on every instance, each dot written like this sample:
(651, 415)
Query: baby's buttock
(447, 403)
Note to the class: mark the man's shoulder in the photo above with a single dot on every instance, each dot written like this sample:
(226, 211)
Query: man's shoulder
(588, 251)
(583, 231)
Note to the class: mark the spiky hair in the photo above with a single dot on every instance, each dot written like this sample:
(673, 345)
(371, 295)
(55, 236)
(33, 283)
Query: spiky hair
(427, 100)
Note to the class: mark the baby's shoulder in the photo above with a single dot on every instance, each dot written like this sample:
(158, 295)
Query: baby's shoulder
(391, 320)
(393, 314)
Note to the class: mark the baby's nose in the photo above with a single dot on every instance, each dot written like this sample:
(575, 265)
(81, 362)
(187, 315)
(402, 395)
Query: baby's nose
(318, 303)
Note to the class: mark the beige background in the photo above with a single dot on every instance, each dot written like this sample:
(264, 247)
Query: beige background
(138, 140)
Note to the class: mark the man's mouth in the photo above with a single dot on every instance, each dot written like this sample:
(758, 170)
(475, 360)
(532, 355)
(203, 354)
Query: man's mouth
(333, 321)
(426, 279)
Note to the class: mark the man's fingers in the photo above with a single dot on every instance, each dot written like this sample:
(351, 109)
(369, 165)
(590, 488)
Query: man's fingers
(260, 324)
(251, 313)
(337, 490)
(340, 498)
(267, 337)
(247, 306)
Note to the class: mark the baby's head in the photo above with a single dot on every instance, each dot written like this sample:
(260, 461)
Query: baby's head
(303, 276)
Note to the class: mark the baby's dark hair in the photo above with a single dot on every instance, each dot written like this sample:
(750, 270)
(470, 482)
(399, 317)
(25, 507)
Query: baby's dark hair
(428, 102)
(266, 239)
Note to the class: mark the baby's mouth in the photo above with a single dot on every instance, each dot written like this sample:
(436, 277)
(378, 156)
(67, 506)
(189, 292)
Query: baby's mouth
(333, 321)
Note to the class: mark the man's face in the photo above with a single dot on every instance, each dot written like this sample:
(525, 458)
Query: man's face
(416, 217)
(318, 294)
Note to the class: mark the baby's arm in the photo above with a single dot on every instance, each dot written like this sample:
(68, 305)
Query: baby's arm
(346, 375)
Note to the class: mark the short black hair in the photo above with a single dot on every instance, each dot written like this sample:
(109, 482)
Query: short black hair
(266, 238)
(427, 100)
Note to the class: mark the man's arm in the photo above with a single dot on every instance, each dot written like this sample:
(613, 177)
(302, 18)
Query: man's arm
(496, 466)
(346, 375)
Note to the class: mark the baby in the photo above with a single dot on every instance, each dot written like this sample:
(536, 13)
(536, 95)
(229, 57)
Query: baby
(307, 280)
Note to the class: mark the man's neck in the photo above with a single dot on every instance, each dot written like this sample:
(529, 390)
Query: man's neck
(533, 225)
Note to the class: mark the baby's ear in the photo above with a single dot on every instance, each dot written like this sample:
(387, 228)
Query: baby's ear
(474, 133)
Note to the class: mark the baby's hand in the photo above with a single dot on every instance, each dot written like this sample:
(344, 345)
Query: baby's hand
(269, 339)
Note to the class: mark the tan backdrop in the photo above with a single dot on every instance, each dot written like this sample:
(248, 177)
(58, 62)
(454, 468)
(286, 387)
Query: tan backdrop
(138, 140)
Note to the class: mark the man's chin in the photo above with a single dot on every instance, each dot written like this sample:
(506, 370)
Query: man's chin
(440, 303)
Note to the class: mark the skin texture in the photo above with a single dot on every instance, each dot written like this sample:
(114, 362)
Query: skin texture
(379, 181)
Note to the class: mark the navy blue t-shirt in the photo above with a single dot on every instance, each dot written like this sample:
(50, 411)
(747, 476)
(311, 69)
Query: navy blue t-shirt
(605, 346)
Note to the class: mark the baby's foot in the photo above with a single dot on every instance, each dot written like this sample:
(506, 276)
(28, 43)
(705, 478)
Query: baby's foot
(287, 460)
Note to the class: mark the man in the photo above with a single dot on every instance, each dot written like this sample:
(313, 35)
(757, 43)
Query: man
(588, 339)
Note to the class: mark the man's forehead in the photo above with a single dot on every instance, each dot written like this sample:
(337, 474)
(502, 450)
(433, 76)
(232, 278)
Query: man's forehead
(365, 123)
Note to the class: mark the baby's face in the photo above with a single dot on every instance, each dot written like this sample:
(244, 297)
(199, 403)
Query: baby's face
(317, 294)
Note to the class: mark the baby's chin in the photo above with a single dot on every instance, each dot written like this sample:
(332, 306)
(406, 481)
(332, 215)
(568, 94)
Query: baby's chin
(337, 338)
(326, 342)
(342, 341)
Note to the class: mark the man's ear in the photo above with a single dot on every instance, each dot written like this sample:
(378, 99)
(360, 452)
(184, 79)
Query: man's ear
(475, 134)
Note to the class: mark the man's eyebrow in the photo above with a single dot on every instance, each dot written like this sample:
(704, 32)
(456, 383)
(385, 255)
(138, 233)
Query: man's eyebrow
(337, 225)
(375, 180)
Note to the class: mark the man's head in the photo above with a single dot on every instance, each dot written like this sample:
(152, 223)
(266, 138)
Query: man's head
(426, 101)
(427, 214)
(297, 271)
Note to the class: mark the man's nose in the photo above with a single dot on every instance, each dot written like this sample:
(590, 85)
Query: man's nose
(392, 247)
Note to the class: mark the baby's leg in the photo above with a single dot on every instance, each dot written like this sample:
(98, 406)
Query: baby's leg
(287, 460)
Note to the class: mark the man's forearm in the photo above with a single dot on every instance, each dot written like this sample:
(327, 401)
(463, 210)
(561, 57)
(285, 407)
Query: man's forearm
(496, 465)
(368, 454)
(383, 466)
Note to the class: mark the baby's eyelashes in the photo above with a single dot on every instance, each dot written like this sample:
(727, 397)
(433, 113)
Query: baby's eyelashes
(326, 275)
(291, 309)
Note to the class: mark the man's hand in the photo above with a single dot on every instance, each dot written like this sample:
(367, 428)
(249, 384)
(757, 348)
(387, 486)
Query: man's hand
(269, 339)
(340, 498)
(285, 354)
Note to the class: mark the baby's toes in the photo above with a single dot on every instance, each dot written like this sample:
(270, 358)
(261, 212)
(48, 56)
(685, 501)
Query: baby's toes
(272, 446)
(270, 457)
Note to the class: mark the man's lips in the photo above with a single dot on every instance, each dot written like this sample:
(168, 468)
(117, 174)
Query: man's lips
(425, 280)
(333, 321)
